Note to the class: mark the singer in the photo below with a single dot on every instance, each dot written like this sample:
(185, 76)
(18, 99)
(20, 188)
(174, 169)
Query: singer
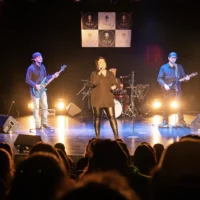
(168, 77)
(102, 98)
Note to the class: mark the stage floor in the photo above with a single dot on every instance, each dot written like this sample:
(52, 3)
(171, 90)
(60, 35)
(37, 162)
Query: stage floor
(75, 132)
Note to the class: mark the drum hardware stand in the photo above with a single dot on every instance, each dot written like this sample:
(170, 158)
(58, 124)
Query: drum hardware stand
(137, 92)
(131, 110)
(131, 107)
(141, 91)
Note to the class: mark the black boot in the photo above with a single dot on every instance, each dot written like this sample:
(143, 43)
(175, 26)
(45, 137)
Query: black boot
(97, 127)
(46, 126)
(113, 123)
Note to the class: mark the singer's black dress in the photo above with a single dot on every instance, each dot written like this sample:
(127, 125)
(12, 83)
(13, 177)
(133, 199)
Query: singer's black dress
(101, 95)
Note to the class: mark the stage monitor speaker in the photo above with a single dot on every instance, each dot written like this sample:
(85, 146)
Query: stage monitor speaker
(73, 109)
(25, 142)
(8, 124)
(196, 122)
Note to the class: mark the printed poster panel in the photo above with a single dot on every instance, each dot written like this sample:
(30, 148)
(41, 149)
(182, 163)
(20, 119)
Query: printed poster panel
(90, 38)
(89, 20)
(123, 38)
(124, 20)
(106, 20)
(106, 38)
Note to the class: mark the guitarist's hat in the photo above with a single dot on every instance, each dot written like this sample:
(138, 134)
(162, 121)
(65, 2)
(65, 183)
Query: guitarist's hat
(35, 55)
(173, 54)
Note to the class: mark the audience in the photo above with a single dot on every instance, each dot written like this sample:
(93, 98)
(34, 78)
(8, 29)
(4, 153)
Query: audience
(40, 176)
(158, 148)
(105, 172)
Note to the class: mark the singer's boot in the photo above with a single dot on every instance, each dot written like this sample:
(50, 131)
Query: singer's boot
(113, 123)
(97, 127)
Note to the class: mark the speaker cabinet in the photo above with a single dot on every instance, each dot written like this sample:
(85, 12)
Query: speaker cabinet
(196, 122)
(73, 109)
(8, 124)
(25, 142)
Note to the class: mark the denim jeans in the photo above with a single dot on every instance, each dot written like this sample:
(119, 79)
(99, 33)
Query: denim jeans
(37, 103)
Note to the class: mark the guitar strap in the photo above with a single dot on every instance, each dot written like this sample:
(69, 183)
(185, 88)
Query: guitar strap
(177, 71)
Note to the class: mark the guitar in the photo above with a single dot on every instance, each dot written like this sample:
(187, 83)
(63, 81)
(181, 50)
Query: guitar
(44, 83)
(182, 79)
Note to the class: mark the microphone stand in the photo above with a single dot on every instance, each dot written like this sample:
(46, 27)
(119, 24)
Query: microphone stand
(132, 95)
(86, 94)
(176, 89)
(81, 89)
(132, 99)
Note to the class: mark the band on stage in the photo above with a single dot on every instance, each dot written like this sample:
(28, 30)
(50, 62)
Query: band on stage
(110, 95)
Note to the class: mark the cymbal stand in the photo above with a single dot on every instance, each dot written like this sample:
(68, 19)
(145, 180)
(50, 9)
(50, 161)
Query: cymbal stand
(131, 111)
(141, 91)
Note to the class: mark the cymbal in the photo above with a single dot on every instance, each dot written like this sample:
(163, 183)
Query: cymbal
(128, 81)
(85, 80)
(131, 87)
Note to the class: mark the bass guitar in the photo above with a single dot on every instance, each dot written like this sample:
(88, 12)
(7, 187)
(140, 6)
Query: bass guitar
(171, 85)
(44, 83)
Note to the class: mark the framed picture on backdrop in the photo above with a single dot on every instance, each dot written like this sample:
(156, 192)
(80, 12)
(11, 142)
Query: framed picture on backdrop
(106, 29)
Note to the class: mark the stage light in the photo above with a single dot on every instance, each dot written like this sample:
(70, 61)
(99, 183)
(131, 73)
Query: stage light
(156, 104)
(174, 104)
(30, 106)
(60, 105)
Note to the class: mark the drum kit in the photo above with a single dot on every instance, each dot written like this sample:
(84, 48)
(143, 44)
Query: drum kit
(124, 99)
(123, 103)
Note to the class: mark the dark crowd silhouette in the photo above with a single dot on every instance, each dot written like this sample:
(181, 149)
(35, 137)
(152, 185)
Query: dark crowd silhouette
(106, 171)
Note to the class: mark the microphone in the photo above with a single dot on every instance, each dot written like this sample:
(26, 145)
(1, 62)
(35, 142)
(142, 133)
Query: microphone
(125, 76)
(100, 68)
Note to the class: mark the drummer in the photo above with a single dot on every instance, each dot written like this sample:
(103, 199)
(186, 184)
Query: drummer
(119, 84)
(119, 93)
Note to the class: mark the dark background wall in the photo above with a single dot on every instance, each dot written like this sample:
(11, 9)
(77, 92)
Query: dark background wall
(53, 28)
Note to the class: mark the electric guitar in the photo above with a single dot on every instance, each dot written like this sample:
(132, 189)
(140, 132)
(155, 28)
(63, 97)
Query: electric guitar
(171, 85)
(44, 83)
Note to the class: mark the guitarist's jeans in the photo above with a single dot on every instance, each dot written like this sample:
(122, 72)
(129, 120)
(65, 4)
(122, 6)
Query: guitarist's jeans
(169, 96)
(37, 103)
(110, 112)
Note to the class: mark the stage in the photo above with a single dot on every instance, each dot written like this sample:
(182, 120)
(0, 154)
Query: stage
(75, 132)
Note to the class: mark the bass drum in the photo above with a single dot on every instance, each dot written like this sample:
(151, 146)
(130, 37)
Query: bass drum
(118, 108)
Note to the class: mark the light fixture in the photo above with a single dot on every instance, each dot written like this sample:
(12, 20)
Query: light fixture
(157, 104)
(61, 104)
(30, 105)
(174, 104)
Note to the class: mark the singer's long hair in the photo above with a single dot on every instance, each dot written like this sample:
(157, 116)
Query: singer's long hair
(97, 60)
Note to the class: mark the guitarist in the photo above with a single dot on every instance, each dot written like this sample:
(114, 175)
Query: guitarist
(168, 77)
(36, 72)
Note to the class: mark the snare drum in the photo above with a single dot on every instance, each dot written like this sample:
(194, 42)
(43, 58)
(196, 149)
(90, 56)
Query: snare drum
(119, 94)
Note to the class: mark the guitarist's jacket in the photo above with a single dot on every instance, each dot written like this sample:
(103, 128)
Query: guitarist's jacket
(169, 75)
(36, 74)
